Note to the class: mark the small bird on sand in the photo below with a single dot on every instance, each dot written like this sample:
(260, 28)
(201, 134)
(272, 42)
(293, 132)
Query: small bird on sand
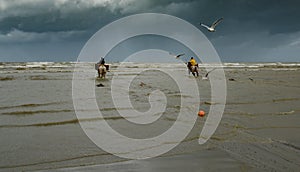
(213, 26)
(142, 84)
(177, 56)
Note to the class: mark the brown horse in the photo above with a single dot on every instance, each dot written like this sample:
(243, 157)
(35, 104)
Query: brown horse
(193, 69)
(102, 71)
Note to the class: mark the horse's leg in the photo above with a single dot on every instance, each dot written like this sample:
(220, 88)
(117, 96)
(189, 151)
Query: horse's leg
(102, 73)
(193, 72)
(196, 69)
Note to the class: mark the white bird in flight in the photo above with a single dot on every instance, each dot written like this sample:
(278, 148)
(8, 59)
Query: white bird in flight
(177, 56)
(213, 26)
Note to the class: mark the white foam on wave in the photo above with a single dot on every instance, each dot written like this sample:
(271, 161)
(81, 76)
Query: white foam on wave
(132, 65)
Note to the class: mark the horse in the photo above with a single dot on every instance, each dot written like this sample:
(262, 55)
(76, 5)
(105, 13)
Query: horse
(193, 69)
(102, 71)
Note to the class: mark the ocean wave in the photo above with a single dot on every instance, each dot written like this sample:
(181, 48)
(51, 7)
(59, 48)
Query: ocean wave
(39, 77)
(18, 67)
(68, 66)
(32, 105)
(57, 123)
(7, 78)
(291, 112)
(260, 101)
(35, 112)
(73, 121)
(54, 161)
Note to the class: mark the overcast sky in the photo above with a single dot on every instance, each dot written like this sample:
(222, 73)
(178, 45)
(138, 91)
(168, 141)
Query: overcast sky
(56, 30)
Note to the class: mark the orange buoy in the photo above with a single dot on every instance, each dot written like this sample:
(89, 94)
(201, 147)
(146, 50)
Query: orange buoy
(201, 113)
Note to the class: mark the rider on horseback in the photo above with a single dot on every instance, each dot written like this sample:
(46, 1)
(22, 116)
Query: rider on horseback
(193, 66)
(102, 68)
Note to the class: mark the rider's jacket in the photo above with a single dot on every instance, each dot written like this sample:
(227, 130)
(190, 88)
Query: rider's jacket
(193, 62)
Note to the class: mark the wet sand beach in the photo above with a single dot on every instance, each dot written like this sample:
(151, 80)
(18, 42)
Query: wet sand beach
(259, 130)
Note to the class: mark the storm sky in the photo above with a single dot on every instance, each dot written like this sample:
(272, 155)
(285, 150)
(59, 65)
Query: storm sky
(56, 30)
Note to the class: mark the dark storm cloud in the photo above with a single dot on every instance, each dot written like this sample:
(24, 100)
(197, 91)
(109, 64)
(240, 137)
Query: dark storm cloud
(70, 15)
(276, 16)
(250, 28)
(54, 21)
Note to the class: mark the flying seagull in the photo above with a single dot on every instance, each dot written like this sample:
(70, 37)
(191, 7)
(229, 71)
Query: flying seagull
(206, 75)
(177, 56)
(213, 26)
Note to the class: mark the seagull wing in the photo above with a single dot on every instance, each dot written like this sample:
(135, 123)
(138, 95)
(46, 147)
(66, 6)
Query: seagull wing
(207, 27)
(210, 71)
(179, 55)
(216, 22)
